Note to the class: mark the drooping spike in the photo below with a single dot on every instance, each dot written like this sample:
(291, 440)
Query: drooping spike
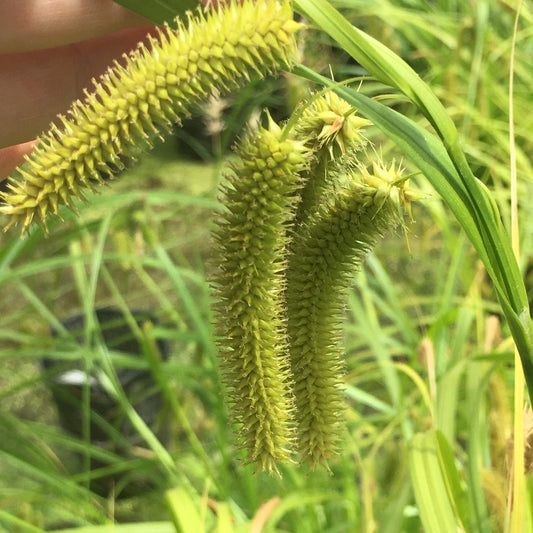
(252, 242)
(325, 252)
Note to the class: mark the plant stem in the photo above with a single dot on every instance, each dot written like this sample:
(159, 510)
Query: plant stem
(516, 503)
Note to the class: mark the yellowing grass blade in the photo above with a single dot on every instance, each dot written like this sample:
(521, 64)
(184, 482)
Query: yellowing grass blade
(225, 519)
(436, 484)
(184, 511)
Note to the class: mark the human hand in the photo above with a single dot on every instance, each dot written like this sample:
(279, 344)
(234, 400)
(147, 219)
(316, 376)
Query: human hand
(49, 53)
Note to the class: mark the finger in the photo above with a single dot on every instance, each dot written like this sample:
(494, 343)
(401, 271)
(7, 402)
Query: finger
(12, 157)
(38, 24)
(36, 86)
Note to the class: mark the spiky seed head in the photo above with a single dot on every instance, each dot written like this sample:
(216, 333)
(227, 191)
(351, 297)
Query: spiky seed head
(331, 128)
(250, 315)
(332, 123)
(330, 244)
(131, 104)
(389, 183)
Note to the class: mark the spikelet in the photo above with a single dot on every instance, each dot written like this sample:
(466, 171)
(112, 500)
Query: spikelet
(331, 129)
(324, 254)
(250, 323)
(132, 104)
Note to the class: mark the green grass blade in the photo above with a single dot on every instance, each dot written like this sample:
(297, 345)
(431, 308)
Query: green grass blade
(418, 145)
(188, 299)
(451, 477)
(20, 524)
(396, 311)
(366, 315)
(115, 389)
(364, 398)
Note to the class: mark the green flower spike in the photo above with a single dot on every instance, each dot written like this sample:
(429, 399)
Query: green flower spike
(328, 247)
(331, 129)
(251, 237)
(131, 104)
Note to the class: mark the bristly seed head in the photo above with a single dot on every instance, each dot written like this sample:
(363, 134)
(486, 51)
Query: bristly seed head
(330, 123)
(131, 104)
(328, 247)
(250, 312)
(331, 128)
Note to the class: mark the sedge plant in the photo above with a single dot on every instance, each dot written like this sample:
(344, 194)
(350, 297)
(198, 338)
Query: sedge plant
(72, 158)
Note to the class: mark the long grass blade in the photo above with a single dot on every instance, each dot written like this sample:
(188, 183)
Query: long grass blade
(518, 488)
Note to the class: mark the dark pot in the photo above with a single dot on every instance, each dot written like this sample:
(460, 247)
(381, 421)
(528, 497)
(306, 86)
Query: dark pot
(66, 380)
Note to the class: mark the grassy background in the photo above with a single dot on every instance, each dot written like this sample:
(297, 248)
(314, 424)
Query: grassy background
(425, 343)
